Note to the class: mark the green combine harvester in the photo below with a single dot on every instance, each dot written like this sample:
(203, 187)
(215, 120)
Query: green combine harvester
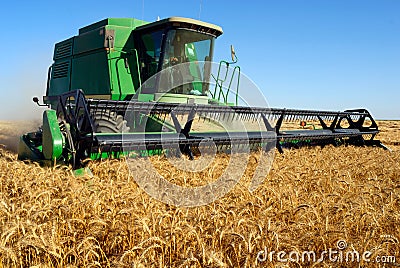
(107, 97)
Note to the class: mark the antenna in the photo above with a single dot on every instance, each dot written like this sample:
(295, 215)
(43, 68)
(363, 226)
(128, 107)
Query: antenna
(142, 9)
(201, 1)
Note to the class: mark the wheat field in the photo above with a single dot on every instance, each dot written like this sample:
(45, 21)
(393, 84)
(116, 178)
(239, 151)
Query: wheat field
(311, 199)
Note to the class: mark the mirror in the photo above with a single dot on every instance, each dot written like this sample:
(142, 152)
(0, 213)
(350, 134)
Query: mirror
(36, 100)
(233, 54)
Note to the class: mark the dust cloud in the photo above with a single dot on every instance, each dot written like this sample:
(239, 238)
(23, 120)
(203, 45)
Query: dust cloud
(10, 131)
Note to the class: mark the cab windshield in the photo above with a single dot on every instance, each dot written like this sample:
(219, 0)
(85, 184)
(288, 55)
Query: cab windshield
(161, 50)
(195, 50)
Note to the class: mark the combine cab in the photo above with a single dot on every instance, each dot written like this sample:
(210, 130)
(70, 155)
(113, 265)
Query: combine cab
(109, 93)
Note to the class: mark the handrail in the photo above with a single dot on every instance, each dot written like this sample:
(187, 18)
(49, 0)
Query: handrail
(237, 87)
(137, 67)
(219, 83)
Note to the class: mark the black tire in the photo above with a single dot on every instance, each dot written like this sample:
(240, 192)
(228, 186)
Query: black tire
(109, 122)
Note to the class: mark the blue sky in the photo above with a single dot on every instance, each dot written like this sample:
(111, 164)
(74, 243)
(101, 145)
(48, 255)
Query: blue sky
(311, 54)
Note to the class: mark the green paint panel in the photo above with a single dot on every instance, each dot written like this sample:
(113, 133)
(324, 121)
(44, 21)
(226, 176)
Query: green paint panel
(146, 97)
(124, 22)
(95, 81)
(52, 140)
(101, 60)
(121, 75)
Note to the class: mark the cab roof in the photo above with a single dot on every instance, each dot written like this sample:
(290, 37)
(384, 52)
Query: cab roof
(187, 23)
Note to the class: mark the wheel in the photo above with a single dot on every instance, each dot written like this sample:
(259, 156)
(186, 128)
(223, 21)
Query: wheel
(109, 122)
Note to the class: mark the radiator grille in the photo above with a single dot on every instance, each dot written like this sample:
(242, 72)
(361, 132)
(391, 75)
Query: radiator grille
(63, 49)
(61, 70)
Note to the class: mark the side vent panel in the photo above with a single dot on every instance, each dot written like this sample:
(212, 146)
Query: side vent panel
(61, 69)
(63, 49)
